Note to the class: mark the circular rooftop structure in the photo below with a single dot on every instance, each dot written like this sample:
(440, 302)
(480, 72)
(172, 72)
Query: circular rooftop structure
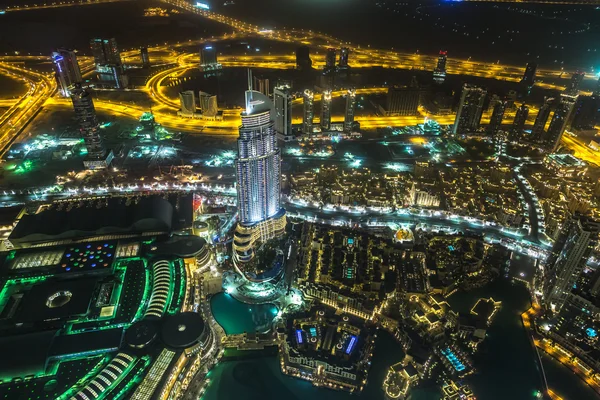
(200, 228)
(184, 246)
(58, 299)
(141, 334)
(182, 330)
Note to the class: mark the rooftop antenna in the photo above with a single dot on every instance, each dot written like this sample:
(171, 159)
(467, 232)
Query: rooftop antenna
(250, 81)
(249, 97)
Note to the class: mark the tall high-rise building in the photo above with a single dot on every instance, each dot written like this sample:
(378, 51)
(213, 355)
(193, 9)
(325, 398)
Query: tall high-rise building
(112, 75)
(208, 56)
(145, 57)
(519, 122)
(470, 109)
(85, 113)
(105, 51)
(328, 75)
(497, 117)
(109, 69)
(187, 100)
(569, 256)
(326, 110)
(403, 100)
(327, 79)
(586, 112)
(559, 121)
(208, 104)
(66, 70)
(330, 59)
(303, 61)
(529, 75)
(511, 98)
(537, 132)
(344, 58)
(308, 112)
(258, 170)
(575, 83)
(350, 108)
(283, 111)
(262, 85)
(439, 73)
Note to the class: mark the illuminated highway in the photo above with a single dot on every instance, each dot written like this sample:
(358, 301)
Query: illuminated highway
(580, 149)
(57, 4)
(7, 102)
(41, 87)
(166, 107)
(375, 57)
(398, 61)
(337, 216)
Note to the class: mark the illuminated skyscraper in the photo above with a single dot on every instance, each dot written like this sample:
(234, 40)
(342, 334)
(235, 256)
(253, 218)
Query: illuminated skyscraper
(208, 56)
(559, 121)
(529, 75)
(344, 58)
(519, 122)
(497, 117)
(258, 170)
(586, 112)
(537, 132)
(326, 110)
(66, 70)
(439, 73)
(328, 76)
(309, 112)
(303, 61)
(85, 113)
(403, 100)
(575, 83)
(109, 69)
(283, 112)
(258, 165)
(330, 59)
(145, 57)
(208, 104)
(328, 79)
(105, 51)
(187, 100)
(112, 75)
(470, 109)
(569, 256)
(350, 108)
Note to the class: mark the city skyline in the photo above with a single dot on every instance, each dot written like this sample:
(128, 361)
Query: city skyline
(301, 199)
